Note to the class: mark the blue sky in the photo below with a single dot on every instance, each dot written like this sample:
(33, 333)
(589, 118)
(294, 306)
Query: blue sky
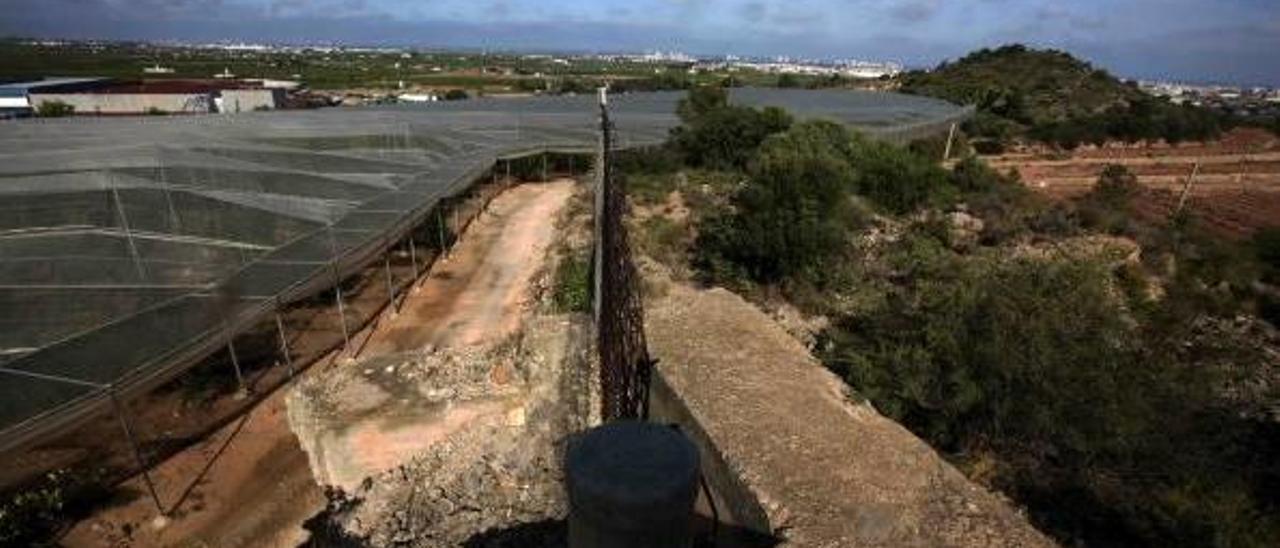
(1206, 40)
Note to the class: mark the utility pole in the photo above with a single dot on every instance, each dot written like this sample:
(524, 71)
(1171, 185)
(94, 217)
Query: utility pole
(1186, 190)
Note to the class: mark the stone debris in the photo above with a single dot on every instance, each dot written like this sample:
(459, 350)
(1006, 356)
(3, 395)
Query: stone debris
(491, 483)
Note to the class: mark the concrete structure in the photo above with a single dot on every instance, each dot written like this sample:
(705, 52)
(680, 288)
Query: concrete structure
(786, 451)
(131, 103)
(104, 97)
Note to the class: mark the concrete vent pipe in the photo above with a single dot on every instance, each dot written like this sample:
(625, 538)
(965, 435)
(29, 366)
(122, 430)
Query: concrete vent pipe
(631, 485)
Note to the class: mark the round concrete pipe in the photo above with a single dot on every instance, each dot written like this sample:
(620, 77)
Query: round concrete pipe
(631, 484)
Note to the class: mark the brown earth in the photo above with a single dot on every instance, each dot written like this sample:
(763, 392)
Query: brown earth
(249, 483)
(1236, 189)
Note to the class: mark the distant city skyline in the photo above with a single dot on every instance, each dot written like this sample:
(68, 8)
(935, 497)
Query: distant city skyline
(1231, 41)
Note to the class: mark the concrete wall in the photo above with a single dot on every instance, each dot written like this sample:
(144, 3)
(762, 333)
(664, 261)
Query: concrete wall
(246, 100)
(129, 103)
(786, 450)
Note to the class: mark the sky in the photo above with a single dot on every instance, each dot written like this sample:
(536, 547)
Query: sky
(1235, 41)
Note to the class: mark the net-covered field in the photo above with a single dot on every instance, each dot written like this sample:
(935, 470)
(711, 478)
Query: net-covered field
(132, 247)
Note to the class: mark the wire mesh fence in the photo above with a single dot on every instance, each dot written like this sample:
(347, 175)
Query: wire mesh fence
(143, 260)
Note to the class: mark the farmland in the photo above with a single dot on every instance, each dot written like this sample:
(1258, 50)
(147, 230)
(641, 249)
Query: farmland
(1235, 181)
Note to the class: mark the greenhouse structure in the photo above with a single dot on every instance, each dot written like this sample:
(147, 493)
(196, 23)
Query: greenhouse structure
(133, 249)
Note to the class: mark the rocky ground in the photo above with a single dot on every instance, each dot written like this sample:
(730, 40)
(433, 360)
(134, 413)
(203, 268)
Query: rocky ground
(494, 483)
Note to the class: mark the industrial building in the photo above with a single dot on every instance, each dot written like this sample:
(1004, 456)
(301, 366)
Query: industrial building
(103, 96)
(15, 97)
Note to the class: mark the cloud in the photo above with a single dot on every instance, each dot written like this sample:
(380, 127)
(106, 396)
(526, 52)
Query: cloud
(753, 12)
(915, 10)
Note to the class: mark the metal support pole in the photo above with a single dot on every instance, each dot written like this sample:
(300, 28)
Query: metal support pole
(122, 414)
(440, 227)
(391, 288)
(284, 342)
(508, 161)
(337, 291)
(342, 311)
(235, 361)
(413, 257)
(457, 227)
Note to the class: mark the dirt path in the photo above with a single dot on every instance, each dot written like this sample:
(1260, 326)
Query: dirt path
(476, 294)
(249, 484)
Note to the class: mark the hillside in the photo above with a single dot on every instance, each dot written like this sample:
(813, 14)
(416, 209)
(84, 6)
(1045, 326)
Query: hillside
(1025, 85)
(1052, 97)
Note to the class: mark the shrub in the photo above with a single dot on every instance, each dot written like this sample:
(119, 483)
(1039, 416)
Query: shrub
(895, 179)
(1106, 427)
(1266, 246)
(1107, 205)
(54, 109)
(726, 137)
(572, 291)
(456, 95)
(30, 516)
(794, 213)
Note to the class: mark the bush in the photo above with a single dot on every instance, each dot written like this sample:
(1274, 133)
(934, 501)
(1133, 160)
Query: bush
(1107, 430)
(54, 109)
(895, 179)
(1107, 205)
(31, 516)
(456, 95)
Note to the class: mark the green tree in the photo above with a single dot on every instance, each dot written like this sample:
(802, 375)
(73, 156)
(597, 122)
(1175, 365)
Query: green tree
(724, 136)
(794, 213)
(701, 100)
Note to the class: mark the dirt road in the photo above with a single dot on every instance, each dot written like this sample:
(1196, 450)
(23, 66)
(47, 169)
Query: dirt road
(475, 294)
(249, 484)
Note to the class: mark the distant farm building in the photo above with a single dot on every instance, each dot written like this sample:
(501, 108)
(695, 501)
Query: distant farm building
(98, 96)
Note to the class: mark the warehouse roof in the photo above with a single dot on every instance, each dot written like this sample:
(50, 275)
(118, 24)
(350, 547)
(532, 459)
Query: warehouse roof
(22, 89)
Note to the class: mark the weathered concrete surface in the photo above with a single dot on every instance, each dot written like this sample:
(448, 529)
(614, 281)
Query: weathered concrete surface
(824, 471)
